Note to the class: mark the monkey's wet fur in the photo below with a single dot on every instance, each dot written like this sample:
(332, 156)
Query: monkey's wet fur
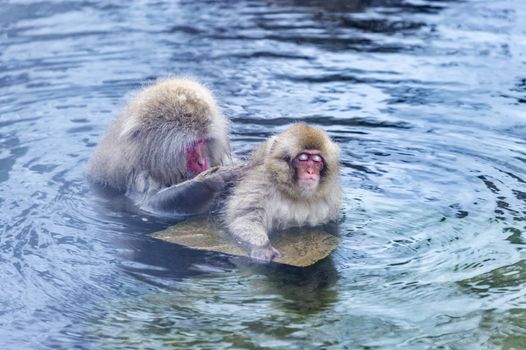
(168, 133)
(282, 188)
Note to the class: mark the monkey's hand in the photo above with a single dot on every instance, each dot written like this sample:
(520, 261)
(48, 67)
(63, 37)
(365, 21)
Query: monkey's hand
(195, 195)
(264, 254)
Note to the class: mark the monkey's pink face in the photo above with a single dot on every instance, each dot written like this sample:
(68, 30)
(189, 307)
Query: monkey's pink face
(196, 157)
(309, 165)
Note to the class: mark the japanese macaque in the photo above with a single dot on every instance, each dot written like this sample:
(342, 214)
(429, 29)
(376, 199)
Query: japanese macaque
(169, 132)
(292, 180)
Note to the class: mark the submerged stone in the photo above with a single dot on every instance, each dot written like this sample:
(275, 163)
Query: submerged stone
(299, 246)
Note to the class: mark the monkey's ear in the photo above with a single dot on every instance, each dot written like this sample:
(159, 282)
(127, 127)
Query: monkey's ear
(130, 128)
(271, 144)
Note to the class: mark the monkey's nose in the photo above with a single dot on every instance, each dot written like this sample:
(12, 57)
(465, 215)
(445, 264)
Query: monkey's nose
(202, 163)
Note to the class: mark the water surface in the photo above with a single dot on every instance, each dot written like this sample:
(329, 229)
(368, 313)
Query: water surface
(426, 99)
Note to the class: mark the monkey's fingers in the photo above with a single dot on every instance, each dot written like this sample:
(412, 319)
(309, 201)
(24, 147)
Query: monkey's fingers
(207, 173)
(224, 173)
(264, 254)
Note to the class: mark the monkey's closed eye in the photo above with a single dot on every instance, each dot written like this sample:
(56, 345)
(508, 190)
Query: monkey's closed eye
(317, 158)
(303, 157)
(314, 157)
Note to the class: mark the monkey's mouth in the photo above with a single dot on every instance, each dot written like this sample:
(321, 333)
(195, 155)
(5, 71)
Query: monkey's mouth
(309, 181)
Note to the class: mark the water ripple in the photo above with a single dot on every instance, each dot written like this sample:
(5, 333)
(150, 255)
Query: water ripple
(425, 99)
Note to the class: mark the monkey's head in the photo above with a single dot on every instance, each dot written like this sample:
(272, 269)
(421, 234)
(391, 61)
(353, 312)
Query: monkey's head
(178, 130)
(303, 161)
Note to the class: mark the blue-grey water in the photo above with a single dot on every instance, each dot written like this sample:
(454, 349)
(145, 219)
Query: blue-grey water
(427, 100)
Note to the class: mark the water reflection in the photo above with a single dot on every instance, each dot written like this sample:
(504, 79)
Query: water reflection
(224, 309)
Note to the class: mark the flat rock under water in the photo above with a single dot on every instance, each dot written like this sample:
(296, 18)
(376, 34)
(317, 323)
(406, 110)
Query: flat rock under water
(299, 246)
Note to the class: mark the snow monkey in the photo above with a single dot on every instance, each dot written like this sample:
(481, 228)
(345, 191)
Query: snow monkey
(168, 133)
(292, 180)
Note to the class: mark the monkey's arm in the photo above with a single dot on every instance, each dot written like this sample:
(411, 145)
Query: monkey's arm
(246, 217)
(196, 195)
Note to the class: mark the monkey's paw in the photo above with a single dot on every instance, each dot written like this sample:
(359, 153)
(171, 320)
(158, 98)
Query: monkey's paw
(264, 254)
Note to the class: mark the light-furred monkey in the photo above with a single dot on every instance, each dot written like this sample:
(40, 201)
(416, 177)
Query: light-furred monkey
(292, 180)
(168, 133)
